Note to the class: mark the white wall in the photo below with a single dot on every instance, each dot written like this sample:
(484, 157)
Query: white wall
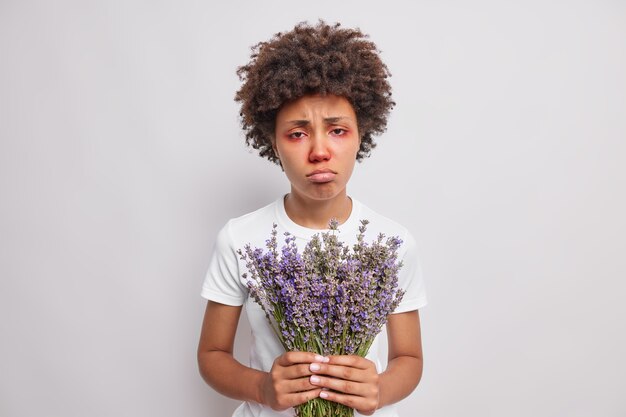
(121, 157)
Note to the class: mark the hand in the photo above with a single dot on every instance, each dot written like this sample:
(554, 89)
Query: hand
(349, 380)
(287, 384)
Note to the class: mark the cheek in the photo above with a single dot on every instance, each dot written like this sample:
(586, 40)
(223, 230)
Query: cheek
(356, 148)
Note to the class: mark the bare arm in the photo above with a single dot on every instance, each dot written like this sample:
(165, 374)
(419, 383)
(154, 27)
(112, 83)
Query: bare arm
(405, 360)
(217, 365)
(286, 385)
(357, 384)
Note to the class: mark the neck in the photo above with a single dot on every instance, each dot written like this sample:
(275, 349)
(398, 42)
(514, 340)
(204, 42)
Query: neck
(316, 214)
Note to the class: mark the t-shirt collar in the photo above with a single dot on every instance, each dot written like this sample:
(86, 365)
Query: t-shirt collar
(306, 233)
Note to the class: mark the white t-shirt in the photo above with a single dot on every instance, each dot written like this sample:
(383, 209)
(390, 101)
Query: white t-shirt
(224, 283)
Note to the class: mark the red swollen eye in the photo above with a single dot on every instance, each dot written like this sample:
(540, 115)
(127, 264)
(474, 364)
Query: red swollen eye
(296, 135)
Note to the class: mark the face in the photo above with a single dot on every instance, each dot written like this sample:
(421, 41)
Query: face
(317, 140)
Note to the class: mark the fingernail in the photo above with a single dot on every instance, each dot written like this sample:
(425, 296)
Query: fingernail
(320, 358)
(323, 394)
(315, 367)
(315, 379)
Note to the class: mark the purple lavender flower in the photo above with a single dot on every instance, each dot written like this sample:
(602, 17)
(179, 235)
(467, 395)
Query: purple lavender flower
(331, 299)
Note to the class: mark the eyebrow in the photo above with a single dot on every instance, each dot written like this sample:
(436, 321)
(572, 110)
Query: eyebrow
(327, 120)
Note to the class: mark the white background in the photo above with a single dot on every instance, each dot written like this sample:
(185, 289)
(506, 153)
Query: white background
(121, 156)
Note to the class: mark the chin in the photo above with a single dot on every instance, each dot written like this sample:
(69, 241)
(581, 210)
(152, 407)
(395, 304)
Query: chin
(324, 193)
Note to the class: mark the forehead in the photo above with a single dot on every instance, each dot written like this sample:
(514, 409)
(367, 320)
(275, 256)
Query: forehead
(310, 106)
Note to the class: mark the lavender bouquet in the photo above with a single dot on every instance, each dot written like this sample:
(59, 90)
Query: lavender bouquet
(329, 299)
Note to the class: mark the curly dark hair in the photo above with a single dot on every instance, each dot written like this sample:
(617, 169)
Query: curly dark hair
(320, 59)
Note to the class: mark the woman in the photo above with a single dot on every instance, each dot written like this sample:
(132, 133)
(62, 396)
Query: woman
(311, 101)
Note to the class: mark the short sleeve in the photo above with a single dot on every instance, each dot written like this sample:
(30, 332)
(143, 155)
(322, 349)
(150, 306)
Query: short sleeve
(222, 282)
(410, 277)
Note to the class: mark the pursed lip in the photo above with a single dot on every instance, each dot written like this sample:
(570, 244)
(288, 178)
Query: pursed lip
(322, 175)
(321, 171)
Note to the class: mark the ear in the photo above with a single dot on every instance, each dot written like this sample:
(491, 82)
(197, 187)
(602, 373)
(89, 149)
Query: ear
(275, 148)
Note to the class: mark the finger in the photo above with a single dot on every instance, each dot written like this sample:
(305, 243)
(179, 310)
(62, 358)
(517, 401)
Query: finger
(365, 406)
(296, 371)
(351, 360)
(292, 400)
(292, 386)
(291, 358)
(343, 372)
(342, 385)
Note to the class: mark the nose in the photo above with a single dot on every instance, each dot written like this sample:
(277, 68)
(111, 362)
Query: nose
(320, 150)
